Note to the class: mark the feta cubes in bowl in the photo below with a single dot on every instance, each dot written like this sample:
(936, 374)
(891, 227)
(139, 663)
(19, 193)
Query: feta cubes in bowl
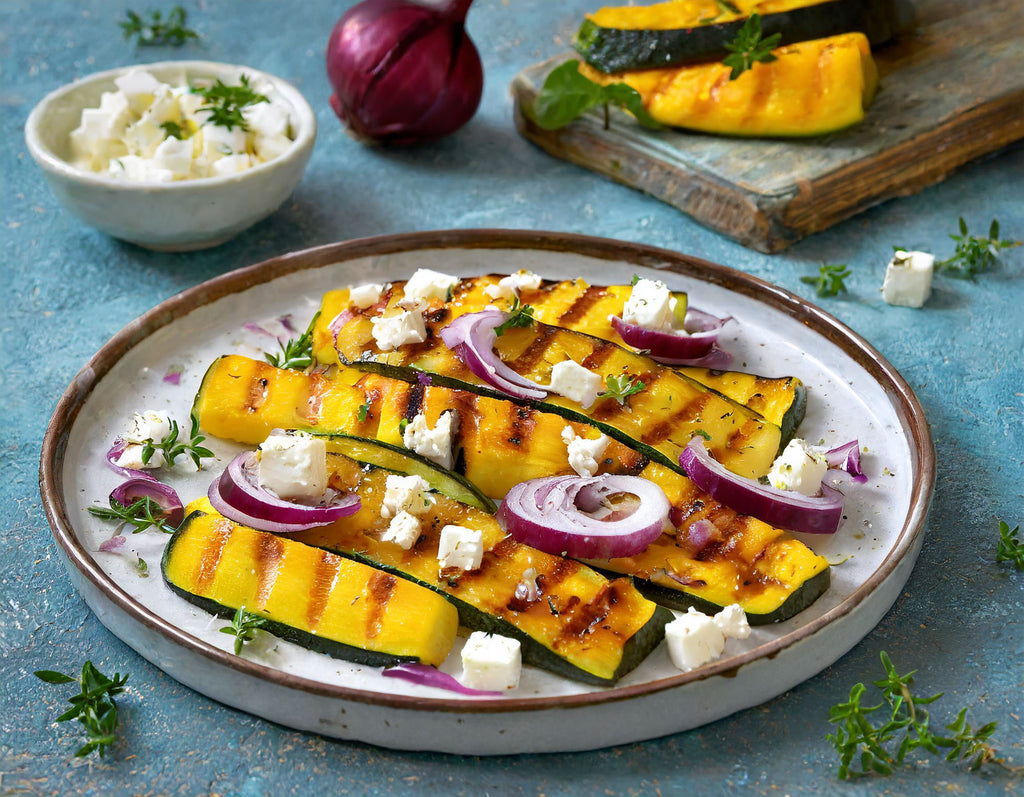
(174, 156)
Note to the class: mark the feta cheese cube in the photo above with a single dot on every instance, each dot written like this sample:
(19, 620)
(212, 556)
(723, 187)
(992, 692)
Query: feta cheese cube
(219, 141)
(293, 467)
(363, 296)
(189, 104)
(139, 88)
(798, 468)
(583, 452)
(139, 169)
(908, 278)
(405, 493)
(393, 331)
(148, 425)
(425, 285)
(131, 457)
(491, 662)
(163, 109)
(693, 640)
(267, 119)
(572, 380)
(434, 444)
(269, 147)
(142, 138)
(650, 305)
(403, 530)
(175, 156)
(510, 286)
(231, 164)
(732, 621)
(460, 547)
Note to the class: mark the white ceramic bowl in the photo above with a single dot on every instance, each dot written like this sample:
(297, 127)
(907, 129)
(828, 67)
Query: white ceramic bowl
(179, 216)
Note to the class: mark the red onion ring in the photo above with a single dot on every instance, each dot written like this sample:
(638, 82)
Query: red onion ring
(548, 514)
(675, 349)
(237, 496)
(847, 457)
(472, 338)
(163, 495)
(425, 675)
(781, 508)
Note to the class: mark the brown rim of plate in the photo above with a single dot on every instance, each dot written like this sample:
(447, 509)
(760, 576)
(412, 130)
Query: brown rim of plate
(55, 441)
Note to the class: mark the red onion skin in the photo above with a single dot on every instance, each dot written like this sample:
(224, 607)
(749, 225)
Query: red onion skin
(404, 72)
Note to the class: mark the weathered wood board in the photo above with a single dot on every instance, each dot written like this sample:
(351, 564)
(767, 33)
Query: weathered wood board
(952, 91)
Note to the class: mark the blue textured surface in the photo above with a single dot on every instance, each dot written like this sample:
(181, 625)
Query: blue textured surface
(66, 289)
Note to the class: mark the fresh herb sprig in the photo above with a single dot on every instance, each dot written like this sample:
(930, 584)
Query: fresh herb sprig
(974, 253)
(1010, 548)
(171, 448)
(519, 315)
(244, 627)
(566, 95)
(94, 707)
(830, 279)
(748, 47)
(870, 743)
(225, 103)
(156, 29)
(141, 514)
(621, 387)
(296, 353)
(176, 130)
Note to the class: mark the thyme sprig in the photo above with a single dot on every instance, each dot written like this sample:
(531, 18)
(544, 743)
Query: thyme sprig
(244, 626)
(621, 387)
(93, 707)
(296, 353)
(748, 47)
(519, 315)
(141, 514)
(974, 253)
(1010, 549)
(172, 448)
(830, 279)
(870, 743)
(176, 130)
(225, 103)
(156, 29)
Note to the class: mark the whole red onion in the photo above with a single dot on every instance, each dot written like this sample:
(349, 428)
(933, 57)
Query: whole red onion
(403, 72)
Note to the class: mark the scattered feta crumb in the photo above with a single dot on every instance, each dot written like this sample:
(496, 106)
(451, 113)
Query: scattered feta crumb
(510, 286)
(799, 468)
(693, 639)
(293, 467)
(403, 530)
(425, 285)
(650, 305)
(393, 331)
(528, 585)
(460, 547)
(908, 278)
(583, 452)
(491, 662)
(572, 380)
(434, 444)
(148, 425)
(405, 493)
(363, 296)
(732, 621)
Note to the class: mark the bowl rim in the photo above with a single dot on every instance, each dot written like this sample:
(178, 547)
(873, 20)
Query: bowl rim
(48, 160)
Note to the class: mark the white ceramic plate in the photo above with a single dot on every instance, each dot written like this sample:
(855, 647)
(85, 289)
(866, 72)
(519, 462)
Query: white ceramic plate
(853, 392)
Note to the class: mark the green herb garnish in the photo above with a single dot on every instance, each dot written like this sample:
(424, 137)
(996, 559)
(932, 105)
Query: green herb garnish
(297, 353)
(1010, 549)
(176, 130)
(903, 726)
(566, 95)
(244, 627)
(142, 567)
(748, 47)
(621, 387)
(363, 411)
(157, 30)
(172, 449)
(94, 707)
(974, 254)
(225, 103)
(140, 514)
(702, 433)
(829, 281)
(401, 425)
(519, 315)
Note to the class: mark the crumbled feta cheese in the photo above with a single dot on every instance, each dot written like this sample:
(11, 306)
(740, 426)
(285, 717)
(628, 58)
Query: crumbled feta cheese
(231, 164)
(142, 138)
(267, 119)
(510, 286)
(732, 621)
(403, 530)
(393, 331)
(528, 588)
(572, 380)
(363, 296)
(218, 141)
(131, 457)
(908, 278)
(798, 468)
(175, 156)
(148, 425)
(491, 662)
(139, 88)
(266, 148)
(425, 285)
(405, 493)
(650, 305)
(434, 444)
(693, 640)
(460, 547)
(138, 169)
(584, 452)
(293, 467)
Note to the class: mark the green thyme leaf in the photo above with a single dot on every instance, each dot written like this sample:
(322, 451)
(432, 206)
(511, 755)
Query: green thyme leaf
(297, 353)
(244, 627)
(1010, 548)
(829, 281)
(93, 707)
(176, 130)
(171, 448)
(974, 254)
(141, 514)
(566, 95)
(364, 410)
(225, 103)
(621, 387)
(748, 47)
(519, 315)
(156, 29)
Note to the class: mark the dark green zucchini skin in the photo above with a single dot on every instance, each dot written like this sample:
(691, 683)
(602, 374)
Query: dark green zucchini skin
(794, 416)
(619, 50)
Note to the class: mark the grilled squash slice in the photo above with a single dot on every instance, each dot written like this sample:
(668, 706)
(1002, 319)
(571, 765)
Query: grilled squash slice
(316, 599)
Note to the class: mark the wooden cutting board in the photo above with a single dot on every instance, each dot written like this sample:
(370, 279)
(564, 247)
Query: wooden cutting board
(952, 91)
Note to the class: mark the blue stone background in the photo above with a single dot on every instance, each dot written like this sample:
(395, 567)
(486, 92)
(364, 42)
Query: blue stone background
(66, 289)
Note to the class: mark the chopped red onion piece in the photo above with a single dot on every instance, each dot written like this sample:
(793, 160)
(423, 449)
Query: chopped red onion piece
(286, 322)
(163, 495)
(700, 533)
(173, 376)
(781, 508)
(115, 452)
(673, 348)
(425, 675)
(847, 457)
(112, 544)
(424, 379)
(338, 323)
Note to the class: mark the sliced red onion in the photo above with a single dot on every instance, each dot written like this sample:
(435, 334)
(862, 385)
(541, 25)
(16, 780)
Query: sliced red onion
(115, 452)
(163, 495)
(286, 322)
(673, 348)
(237, 496)
(555, 515)
(785, 509)
(472, 338)
(173, 376)
(847, 457)
(250, 326)
(700, 533)
(112, 544)
(424, 379)
(338, 323)
(425, 675)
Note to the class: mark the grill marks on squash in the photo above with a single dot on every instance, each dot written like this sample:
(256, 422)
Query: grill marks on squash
(210, 557)
(379, 590)
(322, 582)
(581, 307)
(268, 554)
